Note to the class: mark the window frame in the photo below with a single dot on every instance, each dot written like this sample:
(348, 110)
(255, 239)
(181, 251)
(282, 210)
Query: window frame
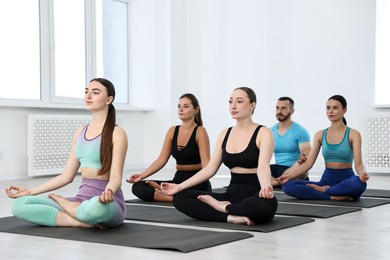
(379, 49)
(47, 80)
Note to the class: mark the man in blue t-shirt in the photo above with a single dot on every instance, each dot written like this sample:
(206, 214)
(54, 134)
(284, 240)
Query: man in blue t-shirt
(292, 141)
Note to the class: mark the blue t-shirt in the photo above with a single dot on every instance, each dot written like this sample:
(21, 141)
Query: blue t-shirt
(287, 146)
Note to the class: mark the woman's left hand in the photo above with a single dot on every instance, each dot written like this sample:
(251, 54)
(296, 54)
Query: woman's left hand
(107, 196)
(266, 192)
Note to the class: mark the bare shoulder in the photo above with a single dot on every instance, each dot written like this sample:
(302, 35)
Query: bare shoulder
(222, 135)
(353, 133)
(119, 132)
(265, 129)
(319, 134)
(171, 131)
(201, 130)
(223, 132)
(77, 133)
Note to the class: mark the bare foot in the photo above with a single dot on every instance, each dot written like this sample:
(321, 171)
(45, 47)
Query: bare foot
(158, 196)
(216, 204)
(64, 220)
(68, 206)
(240, 220)
(340, 197)
(318, 188)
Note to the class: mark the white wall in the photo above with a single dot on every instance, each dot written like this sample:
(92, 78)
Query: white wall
(306, 49)
(309, 50)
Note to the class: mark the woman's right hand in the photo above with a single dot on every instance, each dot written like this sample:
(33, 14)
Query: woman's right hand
(266, 192)
(134, 178)
(169, 188)
(16, 192)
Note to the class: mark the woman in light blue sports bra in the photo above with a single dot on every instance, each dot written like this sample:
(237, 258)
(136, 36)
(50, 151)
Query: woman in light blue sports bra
(99, 151)
(341, 146)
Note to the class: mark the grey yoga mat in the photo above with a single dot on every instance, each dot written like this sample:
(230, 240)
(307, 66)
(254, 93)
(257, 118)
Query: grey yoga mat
(129, 234)
(173, 216)
(315, 211)
(362, 203)
(377, 193)
(289, 209)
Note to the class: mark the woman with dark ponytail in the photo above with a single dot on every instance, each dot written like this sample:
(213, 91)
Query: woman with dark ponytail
(341, 145)
(188, 143)
(98, 150)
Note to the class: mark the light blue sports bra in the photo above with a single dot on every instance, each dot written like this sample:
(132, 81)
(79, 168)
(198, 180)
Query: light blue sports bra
(341, 152)
(88, 150)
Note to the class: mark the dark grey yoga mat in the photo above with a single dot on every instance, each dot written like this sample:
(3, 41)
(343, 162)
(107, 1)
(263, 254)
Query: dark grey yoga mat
(173, 216)
(315, 211)
(376, 193)
(129, 234)
(289, 209)
(362, 203)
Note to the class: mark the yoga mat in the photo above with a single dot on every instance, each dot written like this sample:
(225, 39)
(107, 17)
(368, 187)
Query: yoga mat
(362, 203)
(173, 216)
(376, 193)
(129, 234)
(143, 202)
(289, 209)
(315, 211)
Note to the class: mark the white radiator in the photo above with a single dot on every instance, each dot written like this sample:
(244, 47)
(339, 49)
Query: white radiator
(49, 141)
(376, 142)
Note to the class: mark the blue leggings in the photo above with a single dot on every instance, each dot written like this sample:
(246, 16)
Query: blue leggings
(342, 182)
(43, 211)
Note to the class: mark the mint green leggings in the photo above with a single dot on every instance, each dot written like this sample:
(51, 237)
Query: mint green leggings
(43, 211)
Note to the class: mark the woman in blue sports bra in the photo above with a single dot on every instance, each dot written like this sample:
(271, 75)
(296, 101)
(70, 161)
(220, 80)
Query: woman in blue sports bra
(341, 146)
(188, 143)
(246, 149)
(99, 151)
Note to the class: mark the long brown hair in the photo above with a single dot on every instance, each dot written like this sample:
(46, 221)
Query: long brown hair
(195, 103)
(108, 128)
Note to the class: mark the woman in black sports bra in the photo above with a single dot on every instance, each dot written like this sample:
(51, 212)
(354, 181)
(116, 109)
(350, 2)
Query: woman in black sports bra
(188, 143)
(247, 150)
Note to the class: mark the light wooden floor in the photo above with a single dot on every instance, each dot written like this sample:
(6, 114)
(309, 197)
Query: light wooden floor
(360, 235)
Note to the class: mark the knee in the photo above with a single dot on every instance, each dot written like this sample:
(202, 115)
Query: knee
(136, 187)
(18, 208)
(263, 210)
(93, 211)
(143, 191)
(178, 198)
(287, 187)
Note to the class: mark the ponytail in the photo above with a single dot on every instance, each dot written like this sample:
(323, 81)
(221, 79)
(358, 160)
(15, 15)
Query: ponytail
(106, 144)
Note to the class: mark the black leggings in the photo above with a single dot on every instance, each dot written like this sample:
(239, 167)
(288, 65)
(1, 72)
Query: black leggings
(143, 191)
(242, 192)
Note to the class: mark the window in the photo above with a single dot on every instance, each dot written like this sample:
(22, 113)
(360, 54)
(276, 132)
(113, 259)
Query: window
(19, 50)
(382, 53)
(54, 47)
(69, 48)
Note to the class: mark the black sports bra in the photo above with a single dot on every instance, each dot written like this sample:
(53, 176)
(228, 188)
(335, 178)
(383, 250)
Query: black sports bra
(190, 153)
(248, 158)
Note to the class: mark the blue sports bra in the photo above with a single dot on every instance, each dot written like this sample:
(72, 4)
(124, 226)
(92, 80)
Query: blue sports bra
(249, 158)
(341, 152)
(88, 150)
